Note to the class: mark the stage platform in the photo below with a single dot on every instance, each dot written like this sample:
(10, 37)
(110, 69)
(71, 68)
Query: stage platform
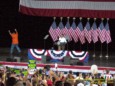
(101, 62)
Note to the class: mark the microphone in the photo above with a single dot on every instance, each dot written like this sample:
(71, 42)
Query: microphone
(46, 36)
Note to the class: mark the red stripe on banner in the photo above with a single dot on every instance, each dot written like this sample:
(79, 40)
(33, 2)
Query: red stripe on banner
(14, 63)
(68, 12)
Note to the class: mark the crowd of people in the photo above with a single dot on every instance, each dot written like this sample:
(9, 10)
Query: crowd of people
(48, 77)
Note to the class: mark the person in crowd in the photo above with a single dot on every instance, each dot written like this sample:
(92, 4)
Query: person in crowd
(88, 80)
(15, 42)
(79, 81)
(67, 84)
(107, 76)
(79, 77)
(49, 81)
(11, 81)
(59, 83)
(1, 82)
(19, 83)
(114, 79)
(70, 78)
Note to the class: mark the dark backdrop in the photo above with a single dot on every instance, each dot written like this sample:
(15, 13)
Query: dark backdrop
(32, 29)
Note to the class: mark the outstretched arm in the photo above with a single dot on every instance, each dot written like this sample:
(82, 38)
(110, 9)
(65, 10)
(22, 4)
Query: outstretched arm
(9, 31)
(16, 30)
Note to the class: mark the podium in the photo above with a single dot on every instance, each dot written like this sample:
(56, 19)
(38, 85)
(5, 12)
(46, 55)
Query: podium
(67, 60)
(45, 59)
(17, 59)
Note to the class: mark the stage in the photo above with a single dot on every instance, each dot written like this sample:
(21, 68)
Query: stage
(102, 63)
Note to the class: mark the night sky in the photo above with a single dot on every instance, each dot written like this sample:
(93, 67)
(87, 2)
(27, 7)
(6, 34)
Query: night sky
(32, 29)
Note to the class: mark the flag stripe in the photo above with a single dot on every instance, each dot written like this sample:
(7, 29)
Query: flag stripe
(67, 32)
(53, 34)
(94, 32)
(73, 34)
(73, 31)
(101, 32)
(69, 5)
(68, 8)
(52, 31)
(108, 37)
(87, 35)
(80, 32)
(107, 33)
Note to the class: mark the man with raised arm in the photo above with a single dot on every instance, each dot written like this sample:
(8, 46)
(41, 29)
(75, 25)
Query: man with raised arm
(15, 41)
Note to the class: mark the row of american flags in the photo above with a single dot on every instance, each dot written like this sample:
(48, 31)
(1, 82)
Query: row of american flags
(84, 34)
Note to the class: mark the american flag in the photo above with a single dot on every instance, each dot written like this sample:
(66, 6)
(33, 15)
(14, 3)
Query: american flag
(80, 32)
(107, 33)
(72, 31)
(52, 31)
(66, 31)
(101, 32)
(87, 32)
(59, 29)
(94, 33)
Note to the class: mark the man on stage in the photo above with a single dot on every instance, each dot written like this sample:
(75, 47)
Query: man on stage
(61, 42)
(15, 42)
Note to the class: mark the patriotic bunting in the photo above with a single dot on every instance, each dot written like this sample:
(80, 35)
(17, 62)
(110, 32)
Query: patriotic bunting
(36, 53)
(56, 54)
(82, 56)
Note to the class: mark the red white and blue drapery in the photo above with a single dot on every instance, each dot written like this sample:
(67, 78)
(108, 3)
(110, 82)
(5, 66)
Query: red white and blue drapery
(71, 8)
(57, 54)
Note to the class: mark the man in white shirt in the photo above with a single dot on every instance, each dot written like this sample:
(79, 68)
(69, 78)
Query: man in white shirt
(62, 41)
